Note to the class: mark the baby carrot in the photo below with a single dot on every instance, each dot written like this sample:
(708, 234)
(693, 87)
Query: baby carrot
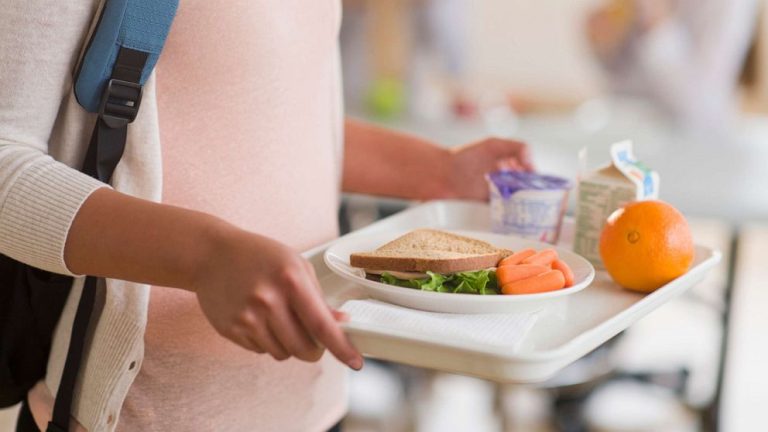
(562, 267)
(511, 273)
(549, 281)
(517, 257)
(545, 258)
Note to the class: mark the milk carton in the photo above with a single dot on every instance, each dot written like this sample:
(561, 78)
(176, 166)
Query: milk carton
(603, 191)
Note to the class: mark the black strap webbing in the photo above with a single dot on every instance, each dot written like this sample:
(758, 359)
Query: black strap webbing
(104, 152)
(119, 107)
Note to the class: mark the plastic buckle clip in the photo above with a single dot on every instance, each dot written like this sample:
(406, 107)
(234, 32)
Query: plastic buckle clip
(120, 103)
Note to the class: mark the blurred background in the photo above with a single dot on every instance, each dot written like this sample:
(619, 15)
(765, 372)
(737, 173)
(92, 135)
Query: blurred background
(687, 81)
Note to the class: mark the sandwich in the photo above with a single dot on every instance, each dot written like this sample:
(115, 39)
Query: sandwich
(433, 260)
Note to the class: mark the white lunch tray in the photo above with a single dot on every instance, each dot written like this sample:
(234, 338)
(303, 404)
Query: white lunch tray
(562, 334)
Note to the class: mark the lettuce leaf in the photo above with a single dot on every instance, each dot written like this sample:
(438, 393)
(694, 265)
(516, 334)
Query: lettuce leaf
(391, 280)
(481, 282)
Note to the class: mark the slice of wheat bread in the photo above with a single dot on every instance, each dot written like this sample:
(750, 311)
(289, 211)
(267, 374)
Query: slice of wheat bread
(430, 250)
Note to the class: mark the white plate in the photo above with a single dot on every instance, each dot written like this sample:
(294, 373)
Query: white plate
(337, 259)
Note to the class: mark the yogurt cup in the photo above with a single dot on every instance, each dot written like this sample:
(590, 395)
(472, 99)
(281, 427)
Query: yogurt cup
(527, 205)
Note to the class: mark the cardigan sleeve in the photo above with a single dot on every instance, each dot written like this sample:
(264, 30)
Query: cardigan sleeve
(40, 40)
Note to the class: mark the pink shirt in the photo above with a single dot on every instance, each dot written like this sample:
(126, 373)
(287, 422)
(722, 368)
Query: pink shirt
(250, 118)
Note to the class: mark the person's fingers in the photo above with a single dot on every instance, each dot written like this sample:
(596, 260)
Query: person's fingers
(313, 276)
(317, 318)
(509, 164)
(511, 149)
(339, 316)
(525, 159)
(520, 152)
(262, 335)
(241, 337)
(255, 343)
(291, 334)
(242, 332)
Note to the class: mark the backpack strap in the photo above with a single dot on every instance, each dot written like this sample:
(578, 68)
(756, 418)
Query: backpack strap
(119, 58)
(136, 27)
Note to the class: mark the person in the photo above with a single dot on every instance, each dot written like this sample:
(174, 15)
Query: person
(684, 56)
(210, 318)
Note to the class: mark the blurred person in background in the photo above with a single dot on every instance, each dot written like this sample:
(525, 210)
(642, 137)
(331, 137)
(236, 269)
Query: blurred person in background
(683, 56)
(440, 41)
(412, 55)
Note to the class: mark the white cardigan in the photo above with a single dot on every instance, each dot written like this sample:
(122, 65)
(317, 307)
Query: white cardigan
(43, 133)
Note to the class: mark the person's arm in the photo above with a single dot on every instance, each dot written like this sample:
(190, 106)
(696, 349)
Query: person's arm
(254, 290)
(159, 244)
(380, 161)
(384, 162)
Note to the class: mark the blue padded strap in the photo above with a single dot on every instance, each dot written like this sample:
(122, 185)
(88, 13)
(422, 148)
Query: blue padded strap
(141, 25)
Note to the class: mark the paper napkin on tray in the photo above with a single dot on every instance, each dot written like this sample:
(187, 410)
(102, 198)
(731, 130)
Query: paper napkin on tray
(498, 329)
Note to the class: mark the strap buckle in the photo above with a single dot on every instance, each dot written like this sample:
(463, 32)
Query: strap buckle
(120, 103)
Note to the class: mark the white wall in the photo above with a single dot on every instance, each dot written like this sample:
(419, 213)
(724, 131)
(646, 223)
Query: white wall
(532, 47)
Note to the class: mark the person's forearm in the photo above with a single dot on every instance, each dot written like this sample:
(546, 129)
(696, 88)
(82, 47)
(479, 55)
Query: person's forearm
(383, 162)
(118, 236)
(254, 291)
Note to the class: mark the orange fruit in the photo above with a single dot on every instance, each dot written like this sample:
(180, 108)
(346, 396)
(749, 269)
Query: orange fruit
(646, 244)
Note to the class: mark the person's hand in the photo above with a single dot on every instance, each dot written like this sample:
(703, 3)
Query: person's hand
(265, 297)
(469, 164)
